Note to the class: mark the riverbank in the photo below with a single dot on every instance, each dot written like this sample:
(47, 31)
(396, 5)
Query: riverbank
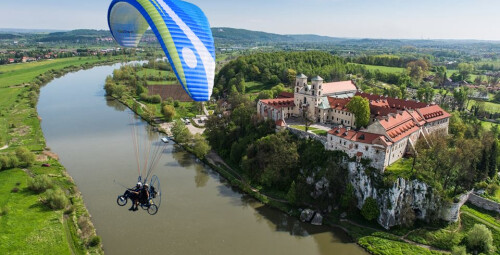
(30, 226)
(372, 239)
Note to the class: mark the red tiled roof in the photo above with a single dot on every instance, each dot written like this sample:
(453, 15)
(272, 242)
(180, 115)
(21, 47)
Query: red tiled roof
(394, 102)
(338, 103)
(433, 113)
(285, 94)
(399, 126)
(355, 136)
(279, 102)
(336, 87)
(280, 123)
(418, 118)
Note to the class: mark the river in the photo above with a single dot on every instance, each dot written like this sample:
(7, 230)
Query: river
(199, 214)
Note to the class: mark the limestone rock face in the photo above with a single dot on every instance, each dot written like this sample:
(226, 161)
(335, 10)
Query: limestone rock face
(403, 194)
(306, 215)
(317, 220)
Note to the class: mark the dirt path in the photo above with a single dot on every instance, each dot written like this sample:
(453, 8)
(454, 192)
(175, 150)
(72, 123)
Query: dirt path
(5, 147)
(71, 244)
(402, 238)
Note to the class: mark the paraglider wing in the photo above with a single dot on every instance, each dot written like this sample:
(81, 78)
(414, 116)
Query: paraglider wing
(183, 32)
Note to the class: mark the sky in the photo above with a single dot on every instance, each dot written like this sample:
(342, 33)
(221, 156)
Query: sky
(406, 19)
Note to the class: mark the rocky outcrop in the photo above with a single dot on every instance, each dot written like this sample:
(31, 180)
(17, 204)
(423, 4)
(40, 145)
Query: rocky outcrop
(400, 199)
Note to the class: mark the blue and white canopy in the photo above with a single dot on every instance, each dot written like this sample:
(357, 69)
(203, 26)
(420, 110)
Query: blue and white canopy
(183, 32)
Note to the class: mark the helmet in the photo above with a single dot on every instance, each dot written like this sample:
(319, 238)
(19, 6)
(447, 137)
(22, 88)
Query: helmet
(139, 184)
(146, 185)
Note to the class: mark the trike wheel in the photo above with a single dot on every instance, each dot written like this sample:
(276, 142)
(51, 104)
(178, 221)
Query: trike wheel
(153, 209)
(121, 200)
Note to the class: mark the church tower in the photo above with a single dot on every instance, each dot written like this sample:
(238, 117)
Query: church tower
(300, 82)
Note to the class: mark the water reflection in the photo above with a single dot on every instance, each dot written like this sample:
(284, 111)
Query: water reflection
(115, 104)
(201, 178)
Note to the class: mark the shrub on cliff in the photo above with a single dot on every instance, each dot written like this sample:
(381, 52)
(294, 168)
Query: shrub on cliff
(370, 209)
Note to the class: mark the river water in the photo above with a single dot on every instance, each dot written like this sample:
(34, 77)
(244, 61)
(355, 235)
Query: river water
(199, 214)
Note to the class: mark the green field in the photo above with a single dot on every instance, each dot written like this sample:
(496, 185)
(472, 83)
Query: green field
(384, 69)
(28, 227)
(25, 72)
(255, 87)
(316, 131)
(162, 75)
(488, 106)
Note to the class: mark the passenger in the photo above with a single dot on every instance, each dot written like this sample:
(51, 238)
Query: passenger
(144, 194)
(134, 195)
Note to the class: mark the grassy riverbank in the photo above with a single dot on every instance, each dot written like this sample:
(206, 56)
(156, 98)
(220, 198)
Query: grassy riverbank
(28, 225)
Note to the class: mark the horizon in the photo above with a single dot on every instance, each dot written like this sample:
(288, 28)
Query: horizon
(48, 30)
(357, 19)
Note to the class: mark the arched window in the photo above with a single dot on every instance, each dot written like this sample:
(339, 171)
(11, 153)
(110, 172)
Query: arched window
(297, 90)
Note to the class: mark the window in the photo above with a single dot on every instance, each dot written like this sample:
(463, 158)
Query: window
(319, 93)
(297, 89)
(356, 146)
(366, 148)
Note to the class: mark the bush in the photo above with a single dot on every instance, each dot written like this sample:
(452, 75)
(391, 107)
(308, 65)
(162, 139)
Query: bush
(95, 241)
(40, 183)
(14, 161)
(156, 99)
(56, 199)
(458, 250)
(370, 209)
(24, 155)
(169, 112)
(480, 239)
(492, 189)
(4, 211)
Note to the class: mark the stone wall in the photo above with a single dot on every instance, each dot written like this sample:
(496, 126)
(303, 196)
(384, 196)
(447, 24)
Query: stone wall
(484, 203)
(304, 134)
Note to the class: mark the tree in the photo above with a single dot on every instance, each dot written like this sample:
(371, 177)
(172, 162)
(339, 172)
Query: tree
(181, 132)
(465, 70)
(418, 69)
(360, 107)
(480, 239)
(461, 96)
(270, 159)
(200, 146)
(370, 210)
(291, 196)
(493, 159)
(308, 118)
(169, 112)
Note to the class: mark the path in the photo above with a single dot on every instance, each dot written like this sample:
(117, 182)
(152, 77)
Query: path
(485, 222)
(402, 238)
(5, 147)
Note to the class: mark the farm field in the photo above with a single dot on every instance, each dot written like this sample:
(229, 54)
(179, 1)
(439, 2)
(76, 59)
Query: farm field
(25, 72)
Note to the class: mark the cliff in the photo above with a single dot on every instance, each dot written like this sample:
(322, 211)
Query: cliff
(404, 200)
